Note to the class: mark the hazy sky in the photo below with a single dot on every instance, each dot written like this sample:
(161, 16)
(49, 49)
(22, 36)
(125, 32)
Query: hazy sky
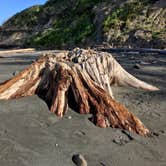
(10, 7)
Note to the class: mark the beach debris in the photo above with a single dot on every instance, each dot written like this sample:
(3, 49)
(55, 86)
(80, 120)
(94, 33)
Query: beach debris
(69, 117)
(102, 163)
(155, 134)
(83, 77)
(154, 62)
(162, 131)
(137, 66)
(123, 137)
(15, 73)
(56, 145)
(120, 140)
(128, 134)
(79, 160)
(144, 63)
(79, 133)
(132, 58)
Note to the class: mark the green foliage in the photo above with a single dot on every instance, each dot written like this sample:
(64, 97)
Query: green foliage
(27, 18)
(64, 23)
(73, 26)
(126, 18)
(85, 4)
(158, 34)
(66, 32)
(155, 35)
(121, 15)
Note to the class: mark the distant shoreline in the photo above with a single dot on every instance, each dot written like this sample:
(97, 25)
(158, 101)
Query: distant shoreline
(111, 50)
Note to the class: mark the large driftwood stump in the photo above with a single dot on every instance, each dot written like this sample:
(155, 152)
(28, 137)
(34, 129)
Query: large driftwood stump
(83, 77)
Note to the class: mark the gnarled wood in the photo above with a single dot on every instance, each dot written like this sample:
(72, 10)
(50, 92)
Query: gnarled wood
(89, 76)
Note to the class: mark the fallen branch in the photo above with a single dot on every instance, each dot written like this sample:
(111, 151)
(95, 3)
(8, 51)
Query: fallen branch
(13, 51)
(134, 50)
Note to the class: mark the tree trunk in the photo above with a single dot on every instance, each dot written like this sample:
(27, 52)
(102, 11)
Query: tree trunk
(83, 77)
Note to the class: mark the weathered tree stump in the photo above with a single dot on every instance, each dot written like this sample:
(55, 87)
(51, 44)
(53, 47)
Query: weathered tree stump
(83, 77)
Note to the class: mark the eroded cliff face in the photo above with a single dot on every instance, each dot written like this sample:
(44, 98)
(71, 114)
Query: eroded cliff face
(137, 23)
(67, 23)
(17, 30)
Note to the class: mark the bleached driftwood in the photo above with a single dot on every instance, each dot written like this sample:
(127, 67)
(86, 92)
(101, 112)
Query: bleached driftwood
(83, 77)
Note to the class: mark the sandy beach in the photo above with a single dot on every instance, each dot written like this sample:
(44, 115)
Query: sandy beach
(32, 136)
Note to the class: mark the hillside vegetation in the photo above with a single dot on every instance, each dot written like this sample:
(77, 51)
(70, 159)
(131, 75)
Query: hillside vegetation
(68, 23)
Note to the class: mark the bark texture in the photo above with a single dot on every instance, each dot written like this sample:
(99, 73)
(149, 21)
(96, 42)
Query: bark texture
(83, 77)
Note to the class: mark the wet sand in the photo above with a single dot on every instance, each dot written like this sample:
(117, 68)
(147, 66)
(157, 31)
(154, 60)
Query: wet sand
(32, 136)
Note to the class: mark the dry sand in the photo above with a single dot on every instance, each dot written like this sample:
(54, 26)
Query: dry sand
(32, 136)
(14, 51)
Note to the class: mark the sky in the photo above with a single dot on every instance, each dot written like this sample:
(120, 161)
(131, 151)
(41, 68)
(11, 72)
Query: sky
(10, 7)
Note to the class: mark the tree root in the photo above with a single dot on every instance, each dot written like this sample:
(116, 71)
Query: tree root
(89, 75)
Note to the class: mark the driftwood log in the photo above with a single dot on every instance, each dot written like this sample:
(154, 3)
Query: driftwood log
(135, 50)
(82, 79)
